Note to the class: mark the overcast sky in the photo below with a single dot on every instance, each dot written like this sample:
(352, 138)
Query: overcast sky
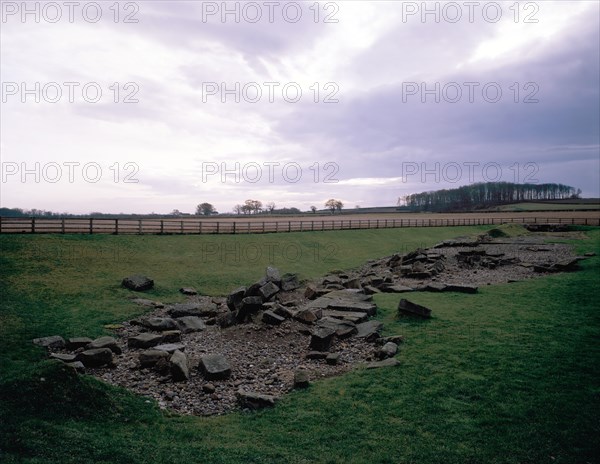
(358, 101)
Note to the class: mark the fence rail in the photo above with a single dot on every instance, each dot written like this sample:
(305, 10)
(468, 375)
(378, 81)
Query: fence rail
(197, 226)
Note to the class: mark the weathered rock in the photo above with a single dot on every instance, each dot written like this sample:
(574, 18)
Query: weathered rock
(272, 275)
(67, 358)
(53, 342)
(387, 351)
(105, 342)
(215, 367)
(252, 400)
(96, 357)
(332, 359)
(397, 339)
(234, 299)
(209, 388)
(250, 305)
(227, 319)
(138, 283)
(397, 288)
(160, 324)
(282, 311)
(148, 303)
(179, 366)
(351, 316)
(433, 287)
(341, 327)
(352, 283)
(289, 282)
(78, 342)
(189, 324)
(345, 300)
(77, 365)
(193, 309)
(370, 290)
(170, 347)
(461, 288)
(389, 362)
(301, 379)
(308, 316)
(149, 358)
(188, 291)
(171, 336)
(369, 330)
(268, 290)
(331, 279)
(313, 292)
(269, 317)
(412, 309)
(144, 340)
(321, 338)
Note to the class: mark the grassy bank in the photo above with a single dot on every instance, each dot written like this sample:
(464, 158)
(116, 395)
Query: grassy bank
(509, 375)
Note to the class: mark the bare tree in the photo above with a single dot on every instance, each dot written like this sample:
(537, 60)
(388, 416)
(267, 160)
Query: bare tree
(333, 204)
(313, 209)
(270, 206)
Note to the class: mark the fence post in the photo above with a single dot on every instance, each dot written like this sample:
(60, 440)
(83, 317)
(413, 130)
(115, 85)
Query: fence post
(182, 227)
(234, 223)
(218, 226)
(62, 225)
(263, 227)
(289, 226)
(312, 225)
(139, 226)
(200, 227)
(248, 228)
(276, 226)
(162, 226)
(116, 226)
(33, 225)
(91, 226)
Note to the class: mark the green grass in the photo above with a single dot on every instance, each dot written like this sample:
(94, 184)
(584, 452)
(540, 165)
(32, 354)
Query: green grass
(509, 375)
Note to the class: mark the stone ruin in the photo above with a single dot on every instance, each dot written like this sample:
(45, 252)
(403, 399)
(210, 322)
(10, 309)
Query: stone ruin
(211, 355)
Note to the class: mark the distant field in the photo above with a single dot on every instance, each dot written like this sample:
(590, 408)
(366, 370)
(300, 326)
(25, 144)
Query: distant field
(300, 223)
(549, 207)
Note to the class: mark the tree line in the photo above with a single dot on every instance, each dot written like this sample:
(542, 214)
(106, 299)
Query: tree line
(485, 194)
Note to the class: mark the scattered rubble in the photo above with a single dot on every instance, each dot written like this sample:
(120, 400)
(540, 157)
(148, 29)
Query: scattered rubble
(212, 355)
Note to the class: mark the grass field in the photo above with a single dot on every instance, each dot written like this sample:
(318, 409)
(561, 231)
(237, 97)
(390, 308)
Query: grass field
(520, 207)
(510, 375)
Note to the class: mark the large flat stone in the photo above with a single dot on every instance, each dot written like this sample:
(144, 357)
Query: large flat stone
(215, 367)
(105, 342)
(138, 283)
(189, 324)
(179, 366)
(369, 330)
(144, 340)
(252, 400)
(412, 309)
(342, 328)
(96, 357)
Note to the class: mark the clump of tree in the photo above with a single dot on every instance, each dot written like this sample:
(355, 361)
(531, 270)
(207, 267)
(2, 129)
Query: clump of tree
(485, 194)
(334, 205)
(249, 207)
(205, 209)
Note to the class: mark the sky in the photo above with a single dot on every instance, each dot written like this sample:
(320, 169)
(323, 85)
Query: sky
(150, 106)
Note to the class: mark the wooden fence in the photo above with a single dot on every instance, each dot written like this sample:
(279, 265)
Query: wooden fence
(200, 226)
